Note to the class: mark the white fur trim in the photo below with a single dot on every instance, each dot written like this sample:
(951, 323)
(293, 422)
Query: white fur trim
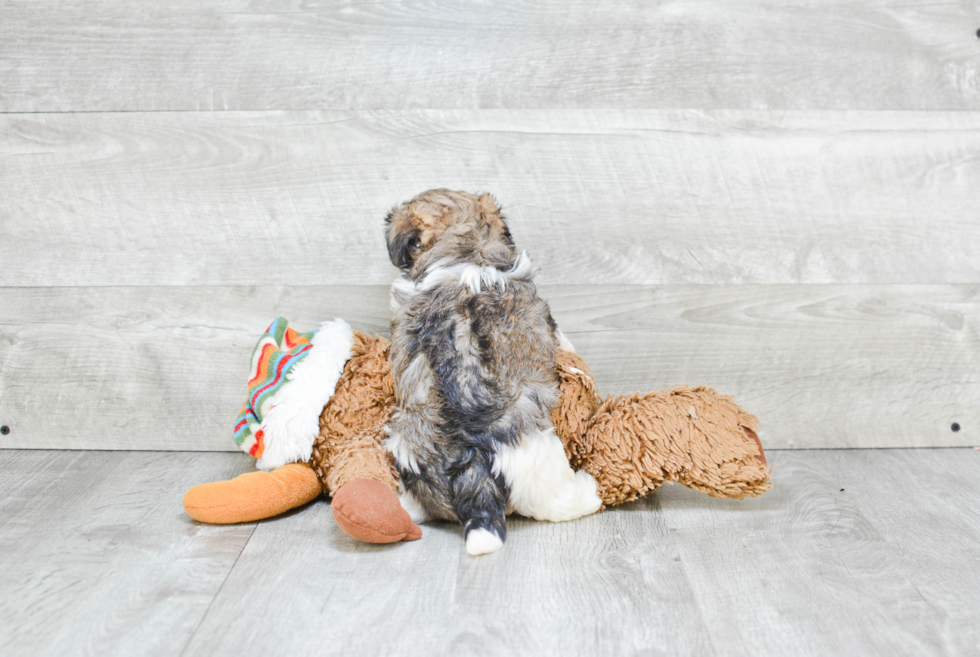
(542, 484)
(564, 343)
(480, 541)
(293, 419)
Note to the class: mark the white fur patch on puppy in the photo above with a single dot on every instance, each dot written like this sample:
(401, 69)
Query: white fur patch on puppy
(411, 505)
(292, 422)
(476, 277)
(403, 453)
(480, 541)
(402, 290)
(542, 484)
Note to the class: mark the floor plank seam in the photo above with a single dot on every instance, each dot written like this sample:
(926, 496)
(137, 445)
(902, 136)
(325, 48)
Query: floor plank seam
(190, 111)
(197, 628)
(688, 578)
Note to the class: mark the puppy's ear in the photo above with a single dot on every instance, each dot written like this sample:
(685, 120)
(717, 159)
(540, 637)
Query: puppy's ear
(403, 248)
(490, 212)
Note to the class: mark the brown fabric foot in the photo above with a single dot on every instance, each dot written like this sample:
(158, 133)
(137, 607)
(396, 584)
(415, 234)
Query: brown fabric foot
(762, 453)
(369, 511)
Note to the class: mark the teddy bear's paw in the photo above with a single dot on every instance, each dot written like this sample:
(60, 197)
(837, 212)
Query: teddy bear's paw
(369, 511)
(761, 456)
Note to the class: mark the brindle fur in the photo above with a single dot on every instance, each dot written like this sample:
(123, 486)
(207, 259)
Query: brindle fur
(473, 370)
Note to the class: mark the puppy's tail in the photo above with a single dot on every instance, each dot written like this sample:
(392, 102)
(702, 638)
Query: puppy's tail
(480, 502)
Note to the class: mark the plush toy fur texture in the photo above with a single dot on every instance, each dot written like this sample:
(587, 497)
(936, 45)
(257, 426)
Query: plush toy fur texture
(630, 444)
(352, 424)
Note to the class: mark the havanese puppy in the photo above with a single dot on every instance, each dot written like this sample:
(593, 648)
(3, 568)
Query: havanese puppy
(473, 360)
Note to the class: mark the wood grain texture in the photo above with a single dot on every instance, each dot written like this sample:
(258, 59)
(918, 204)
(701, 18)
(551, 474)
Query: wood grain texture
(944, 487)
(98, 56)
(608, 584)
(603, 197)
(832, 560)
(857, 552)
(822, 366)
(146, 368)
(97, 556)
(808, 569)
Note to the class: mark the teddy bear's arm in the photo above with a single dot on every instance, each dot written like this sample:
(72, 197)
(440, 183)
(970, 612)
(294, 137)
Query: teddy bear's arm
(693, 436)
(578, 401)
(631, 444)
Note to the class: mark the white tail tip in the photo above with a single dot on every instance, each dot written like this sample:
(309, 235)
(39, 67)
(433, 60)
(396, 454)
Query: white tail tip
(480, 541)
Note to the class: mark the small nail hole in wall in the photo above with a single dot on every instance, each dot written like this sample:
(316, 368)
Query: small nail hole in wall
(5, 429)
(956, 426)
(978, 34)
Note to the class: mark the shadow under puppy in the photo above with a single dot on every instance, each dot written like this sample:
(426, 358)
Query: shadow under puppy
(473, 360)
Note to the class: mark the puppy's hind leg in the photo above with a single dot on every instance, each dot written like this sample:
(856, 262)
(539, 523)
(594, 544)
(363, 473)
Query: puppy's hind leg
(541, 483)
(480, 502)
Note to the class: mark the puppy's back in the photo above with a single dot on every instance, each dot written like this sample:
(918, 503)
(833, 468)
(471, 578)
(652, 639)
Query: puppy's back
(474, 370)
(492, 355)
(473, 361)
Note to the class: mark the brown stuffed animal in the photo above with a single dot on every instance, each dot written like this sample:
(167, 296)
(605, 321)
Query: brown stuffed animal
(630, 444)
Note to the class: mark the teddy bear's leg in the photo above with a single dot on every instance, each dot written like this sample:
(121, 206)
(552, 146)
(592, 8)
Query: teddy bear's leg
(693, 436)
(253, 496)
(359, 477)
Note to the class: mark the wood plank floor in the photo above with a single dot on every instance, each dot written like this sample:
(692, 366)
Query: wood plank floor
(853, 552)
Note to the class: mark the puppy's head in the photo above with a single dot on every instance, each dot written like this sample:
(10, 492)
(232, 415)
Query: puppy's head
(443, 225)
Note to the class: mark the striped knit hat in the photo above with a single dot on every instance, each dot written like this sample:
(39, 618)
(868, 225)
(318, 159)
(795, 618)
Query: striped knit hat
(292, 377)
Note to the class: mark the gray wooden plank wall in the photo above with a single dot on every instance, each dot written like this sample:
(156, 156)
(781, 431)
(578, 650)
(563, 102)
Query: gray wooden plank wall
(597, 197)
(779, 200)
(821, 365)
(78, 55)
